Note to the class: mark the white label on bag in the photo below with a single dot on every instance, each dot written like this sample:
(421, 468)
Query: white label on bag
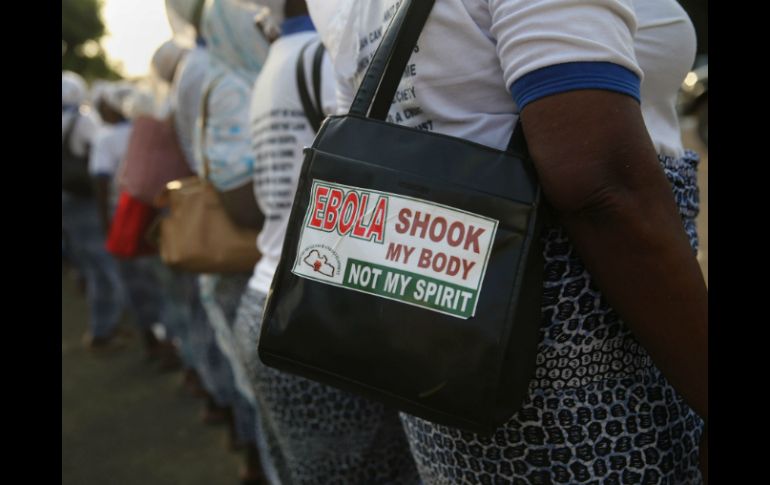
(397, 247)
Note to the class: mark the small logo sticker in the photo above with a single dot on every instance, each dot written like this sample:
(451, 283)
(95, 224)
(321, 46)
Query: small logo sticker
(321, 260)
(320, 264)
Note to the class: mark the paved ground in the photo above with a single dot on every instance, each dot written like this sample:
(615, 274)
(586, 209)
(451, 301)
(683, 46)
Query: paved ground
(124, 423)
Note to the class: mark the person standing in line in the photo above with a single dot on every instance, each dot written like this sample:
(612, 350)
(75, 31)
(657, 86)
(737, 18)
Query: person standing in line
(185, 99)
(175, 351)
(237, 52)
(80, 222)
(206, 375)
(138, 274)
(316, 434)
(621, 381)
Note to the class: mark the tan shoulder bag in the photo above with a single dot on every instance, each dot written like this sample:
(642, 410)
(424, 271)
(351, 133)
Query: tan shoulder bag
(197, 234)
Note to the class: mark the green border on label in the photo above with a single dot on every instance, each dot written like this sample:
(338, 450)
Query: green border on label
(410, 288)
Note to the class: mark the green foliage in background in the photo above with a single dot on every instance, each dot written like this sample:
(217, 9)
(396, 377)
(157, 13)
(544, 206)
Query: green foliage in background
(81, 29)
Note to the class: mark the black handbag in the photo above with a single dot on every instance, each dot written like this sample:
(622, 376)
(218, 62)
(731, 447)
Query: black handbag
(411, 271)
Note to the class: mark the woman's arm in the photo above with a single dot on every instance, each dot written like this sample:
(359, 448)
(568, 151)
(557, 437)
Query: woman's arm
(600, 172)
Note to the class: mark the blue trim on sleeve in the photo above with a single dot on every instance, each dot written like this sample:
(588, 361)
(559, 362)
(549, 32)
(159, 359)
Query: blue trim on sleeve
(570, 76)
(300, 23)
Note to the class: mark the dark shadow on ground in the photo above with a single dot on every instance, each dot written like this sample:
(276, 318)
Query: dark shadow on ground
(125, 423)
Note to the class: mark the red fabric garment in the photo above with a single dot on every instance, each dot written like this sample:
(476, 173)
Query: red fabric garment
(127, 237)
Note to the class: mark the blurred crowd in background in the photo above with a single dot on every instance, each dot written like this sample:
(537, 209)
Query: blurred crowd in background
(205, 88)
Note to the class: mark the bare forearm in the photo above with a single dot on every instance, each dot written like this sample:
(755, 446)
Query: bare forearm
(650, 276)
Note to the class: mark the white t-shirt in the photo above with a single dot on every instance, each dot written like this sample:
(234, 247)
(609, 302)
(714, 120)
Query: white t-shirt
(227, 143)
(279, 132)
(186, 99)
(110, 145)
(109, 149)
(83, 131)
(471, 52)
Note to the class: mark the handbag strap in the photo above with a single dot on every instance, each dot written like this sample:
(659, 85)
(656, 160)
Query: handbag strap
(318, 57)
(203, 123)
(313, 112)
(380, 82)
(375, 94)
